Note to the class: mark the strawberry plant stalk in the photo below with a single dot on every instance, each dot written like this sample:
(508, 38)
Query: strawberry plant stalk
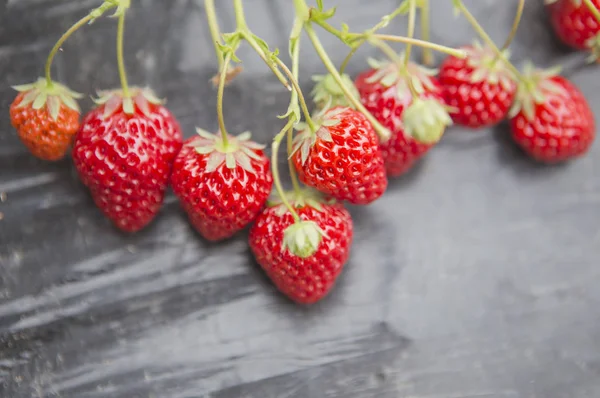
(296, 86)
(275, 168)
(213, 26)
(593, 9)
(221, 90)
(411, 30)
(425, 32)
(120, 59)
(515, 25)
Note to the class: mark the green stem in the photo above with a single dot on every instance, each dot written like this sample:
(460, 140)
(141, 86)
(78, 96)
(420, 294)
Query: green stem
(275, 169)
(120, 60)
(425, 44)
(215, 32)
(411, 30)
(425, 32)
(59, 44)
(247, 35)
(384, 133)
(515, 25)
(350, 55)
(486, 38)
(593, 9)
(296, 86)
(290, 133)
(220, 92)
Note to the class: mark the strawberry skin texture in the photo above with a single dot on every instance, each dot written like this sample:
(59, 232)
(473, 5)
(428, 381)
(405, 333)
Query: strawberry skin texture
(563, 127)
(308, 280)
(401, 151)
(475, 104)
(574, 23)
(222, 202)
(348, 168)
(46, 138)
(125, 161)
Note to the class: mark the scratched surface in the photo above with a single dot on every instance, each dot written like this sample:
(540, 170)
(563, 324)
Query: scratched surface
(475, 276)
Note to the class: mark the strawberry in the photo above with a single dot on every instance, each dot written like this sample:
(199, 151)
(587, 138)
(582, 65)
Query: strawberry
(551, 120)
(303, 258)
(480, 89)
(341, 157)
(575, 24)
(123, 153)
(46, 117)
(222, 186)
(385, 93)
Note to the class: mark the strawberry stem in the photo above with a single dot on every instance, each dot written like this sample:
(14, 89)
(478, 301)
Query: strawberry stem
(411, 31)
(290, 134)
(425, 32)
(297, 89)
(592, 9)
(421, 43)
(384, 134)
(213, 26)
(515, 25)
(486, 38)
(275, 168)
(221, 90)
(120, 59)
(59, 44)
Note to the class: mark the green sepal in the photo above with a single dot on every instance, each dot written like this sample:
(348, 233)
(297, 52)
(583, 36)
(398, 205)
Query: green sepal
(53, 95)
(302, 238)
(426, 120)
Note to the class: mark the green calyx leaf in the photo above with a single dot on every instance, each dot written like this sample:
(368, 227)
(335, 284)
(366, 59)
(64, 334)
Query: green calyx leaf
(327, 93)
(306, 139)
(302, 239)
(121, 5)
(318, 14)
(52, 96)
(425, 120)
(488, 67)
(390, 74)
(593, 43)
(140, 98)
(533, 89)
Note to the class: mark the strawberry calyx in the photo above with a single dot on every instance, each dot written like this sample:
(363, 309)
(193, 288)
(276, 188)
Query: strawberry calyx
(114, 100)
(306, 138)
(593, 43)
(237, 151)
(534, 88)
(327, 93)
(302, 238)
(390, 74)
(51, 95)
(425, 120)
(488, 66)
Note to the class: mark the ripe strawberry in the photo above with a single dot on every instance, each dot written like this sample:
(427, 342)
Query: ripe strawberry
(46, 117)
(303, 259)
(341, 158)
(575, 24)
(480, 89)
(551, 120)
(221, 186)
(123, 153)
(385, 93)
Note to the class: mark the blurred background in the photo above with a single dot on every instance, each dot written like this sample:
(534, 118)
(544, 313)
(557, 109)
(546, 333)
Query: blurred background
(475, 276)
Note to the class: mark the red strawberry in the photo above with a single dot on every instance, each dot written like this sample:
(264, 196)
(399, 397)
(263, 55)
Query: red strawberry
(303, 259)
(480, 89)
(341, 158)
(221, 186)
(551, 120)
(123, 154)
(384, 92)
(46, 117)
(575, 24)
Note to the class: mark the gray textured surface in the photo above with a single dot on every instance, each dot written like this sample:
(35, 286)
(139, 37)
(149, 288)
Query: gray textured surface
(475, 276)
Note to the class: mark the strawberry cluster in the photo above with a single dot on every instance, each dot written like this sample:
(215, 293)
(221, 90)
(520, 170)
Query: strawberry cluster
(362, 132)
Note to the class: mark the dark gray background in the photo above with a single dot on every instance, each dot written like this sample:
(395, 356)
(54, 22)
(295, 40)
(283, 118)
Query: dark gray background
(475, 276)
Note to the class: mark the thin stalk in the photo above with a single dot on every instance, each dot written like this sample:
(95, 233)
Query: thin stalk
(275, 169)
(220, 92)
(593, 9)
(350, 55)
(290, 132)
(215, 32)
(486, 38)
(425, 32)
(384, 133)
(411, 30)
(515, 25)
(59, 44)
(425, 44)
(120, 59)
(296, 86)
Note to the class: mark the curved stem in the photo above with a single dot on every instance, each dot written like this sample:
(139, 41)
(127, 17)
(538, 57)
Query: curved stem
(384, 133)
(59, 44)
(120, 60)
(220, 92)
(425, 32)
(296, 86)
(486, 38)
(411, 30)
(213, 25)
(275, 169)
(515, 25)
(290, 148)
(350, 55)
(593, 9)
